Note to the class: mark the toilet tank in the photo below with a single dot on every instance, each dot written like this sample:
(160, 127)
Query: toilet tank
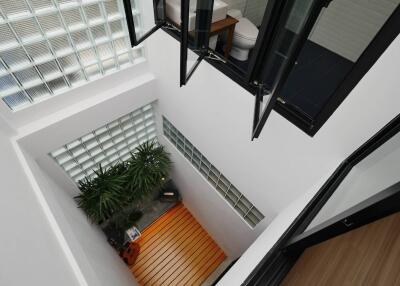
(173, 12)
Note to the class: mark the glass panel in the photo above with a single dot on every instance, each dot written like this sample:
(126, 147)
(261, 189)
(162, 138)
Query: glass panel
(340, 35)
(146, 7)
(372, 175)
(286, 40)
(234, 29)
(49, 46)
(195, 29)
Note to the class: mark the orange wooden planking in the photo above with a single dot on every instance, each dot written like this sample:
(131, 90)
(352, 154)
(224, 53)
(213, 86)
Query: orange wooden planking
(176, 250)
(190, 266)
(158, 227)
(199, 266)
(168, 248)
(177, 259)
(206, 272)
(164, 239)
(147, 241)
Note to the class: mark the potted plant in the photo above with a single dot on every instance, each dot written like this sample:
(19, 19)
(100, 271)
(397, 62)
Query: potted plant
(148, 167)
(109, 198)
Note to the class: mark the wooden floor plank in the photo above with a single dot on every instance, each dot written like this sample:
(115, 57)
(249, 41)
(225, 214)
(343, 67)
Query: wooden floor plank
(160, 228)
(366, 256)
(169, 214)
(176, 250)
(190, 266)
(197, 266)
(168, 252)
(163, 240)
(175, 259)
(206, 272)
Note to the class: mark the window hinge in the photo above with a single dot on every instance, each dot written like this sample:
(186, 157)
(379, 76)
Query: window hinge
(281, 100)
(261, 88)
(171, 27)
(213, 56)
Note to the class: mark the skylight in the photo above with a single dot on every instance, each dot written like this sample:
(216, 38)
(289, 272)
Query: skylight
(50, 46)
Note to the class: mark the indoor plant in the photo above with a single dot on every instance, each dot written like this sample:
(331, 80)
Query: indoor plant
(115, 189)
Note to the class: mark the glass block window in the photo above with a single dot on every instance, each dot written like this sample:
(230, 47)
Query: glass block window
(49, 46)
(106, 145)
(222, 185)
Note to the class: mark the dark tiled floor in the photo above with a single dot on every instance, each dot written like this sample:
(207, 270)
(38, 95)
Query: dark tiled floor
(315, 77)
(152, 210)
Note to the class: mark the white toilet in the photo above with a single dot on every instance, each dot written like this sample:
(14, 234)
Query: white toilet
(244, 37)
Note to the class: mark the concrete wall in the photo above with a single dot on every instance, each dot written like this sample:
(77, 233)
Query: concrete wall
(215, 114)
(30, 253)
(98, 261)
(371, 104)
(47, 240)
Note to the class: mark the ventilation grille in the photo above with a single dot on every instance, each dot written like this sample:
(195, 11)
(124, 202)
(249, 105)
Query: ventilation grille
(49, 46)
(236, 199)
(106, 145)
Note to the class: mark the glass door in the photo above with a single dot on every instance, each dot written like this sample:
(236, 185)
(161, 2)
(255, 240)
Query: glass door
(134, 10)
(195, 27)
(282, 40)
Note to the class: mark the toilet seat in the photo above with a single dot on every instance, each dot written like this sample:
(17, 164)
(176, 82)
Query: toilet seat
(246, 30)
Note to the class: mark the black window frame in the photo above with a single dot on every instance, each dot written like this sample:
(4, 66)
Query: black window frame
(248, 79)
(276, 264)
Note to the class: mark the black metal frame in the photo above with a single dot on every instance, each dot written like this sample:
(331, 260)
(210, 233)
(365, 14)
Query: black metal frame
(201, 39)
(265, 54)
(250, 80)
(382, 204)
(131, 24)
(278, 261)
(389, 31)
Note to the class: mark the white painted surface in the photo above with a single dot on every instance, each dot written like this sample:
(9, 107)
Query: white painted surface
(215, 114)
(98, 261)
(30, 253)
(230, 231)
(89, 253)
(255, 253)
(375, 173)
(70, 98)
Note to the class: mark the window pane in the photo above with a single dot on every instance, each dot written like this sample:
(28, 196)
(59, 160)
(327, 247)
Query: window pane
(340, 35)
(50, 46)
(106, 146)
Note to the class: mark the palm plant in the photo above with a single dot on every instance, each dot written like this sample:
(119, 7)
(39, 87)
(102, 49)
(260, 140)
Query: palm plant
(148, 167)
(105, 194)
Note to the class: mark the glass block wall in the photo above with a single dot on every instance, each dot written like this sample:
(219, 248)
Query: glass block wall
(106, 145)
(49, 46)
(224, 187)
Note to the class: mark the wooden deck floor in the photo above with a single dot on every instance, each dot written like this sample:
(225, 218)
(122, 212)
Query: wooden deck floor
(176, 250)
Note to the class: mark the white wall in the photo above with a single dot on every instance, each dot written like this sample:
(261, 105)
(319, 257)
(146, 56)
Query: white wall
(220, 220)
(251, 9)
(375, 173)
(98, 261)
(215, 114)
(255, 253)
(30, 253)
(347, 27)
(85, 246)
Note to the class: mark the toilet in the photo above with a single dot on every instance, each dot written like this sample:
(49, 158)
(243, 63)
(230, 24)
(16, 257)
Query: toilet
(244, 37)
